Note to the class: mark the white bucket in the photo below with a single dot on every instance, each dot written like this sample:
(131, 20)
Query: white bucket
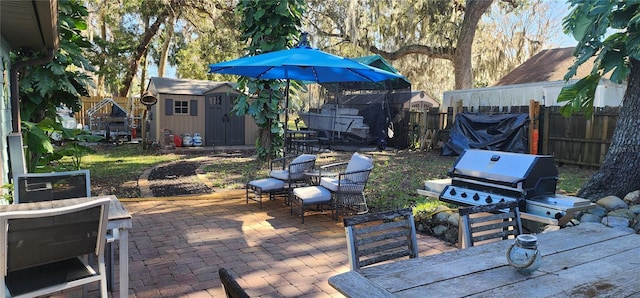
(187, 141)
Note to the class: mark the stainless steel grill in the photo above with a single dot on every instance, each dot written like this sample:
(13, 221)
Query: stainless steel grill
(481, 177)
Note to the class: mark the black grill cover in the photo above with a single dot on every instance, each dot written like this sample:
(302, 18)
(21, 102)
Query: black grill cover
(497, 132)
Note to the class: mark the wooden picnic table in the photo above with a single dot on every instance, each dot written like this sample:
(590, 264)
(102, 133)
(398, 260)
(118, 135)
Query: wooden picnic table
(589, 260)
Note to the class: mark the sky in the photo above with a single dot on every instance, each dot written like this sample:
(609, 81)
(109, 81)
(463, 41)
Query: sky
(561, 8)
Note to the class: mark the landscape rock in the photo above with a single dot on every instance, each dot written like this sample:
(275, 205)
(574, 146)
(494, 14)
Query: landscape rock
(632, 198)
(440, 230)
(588, 217)
(442, 213)
(612, 203)
(626, 213)
(615, 221)
(611, 211)
(598, 210)
(453, 219)
(420, 228)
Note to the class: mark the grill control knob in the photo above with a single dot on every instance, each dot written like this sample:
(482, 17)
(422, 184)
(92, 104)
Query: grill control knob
(452, 192)
(488, 199)
(476, 197)
(464, 194)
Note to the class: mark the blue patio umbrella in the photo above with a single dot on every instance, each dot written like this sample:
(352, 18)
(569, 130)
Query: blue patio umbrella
(302, 63)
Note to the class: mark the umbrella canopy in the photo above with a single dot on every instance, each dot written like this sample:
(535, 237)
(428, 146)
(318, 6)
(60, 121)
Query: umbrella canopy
(302, 63)
(376, 61)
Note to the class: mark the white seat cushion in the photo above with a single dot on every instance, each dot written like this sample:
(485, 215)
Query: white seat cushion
(279, 174)
(358, 163)
(296, 171)
(312, 194)
(303, 158)
(345, 186)
(267, 184)
(300, 159)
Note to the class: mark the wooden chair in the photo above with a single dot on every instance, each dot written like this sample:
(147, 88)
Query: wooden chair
(230, 285)
(348, 186)
(493, 221)
(379, 237)
(45, 246)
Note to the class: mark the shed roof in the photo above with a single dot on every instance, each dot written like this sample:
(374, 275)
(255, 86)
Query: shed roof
(546, 66)
(185, 86)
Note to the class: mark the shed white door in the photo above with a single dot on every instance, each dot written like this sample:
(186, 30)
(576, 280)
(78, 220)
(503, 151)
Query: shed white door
(223, 128)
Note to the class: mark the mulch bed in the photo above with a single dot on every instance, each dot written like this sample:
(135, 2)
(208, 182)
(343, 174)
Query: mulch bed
(178, 178)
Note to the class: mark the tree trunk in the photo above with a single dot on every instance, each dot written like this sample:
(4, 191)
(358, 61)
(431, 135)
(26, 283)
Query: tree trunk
(103, 60)
(164, 52)
(462, 57)
(144, 61)
(140, 50)
(620, 170)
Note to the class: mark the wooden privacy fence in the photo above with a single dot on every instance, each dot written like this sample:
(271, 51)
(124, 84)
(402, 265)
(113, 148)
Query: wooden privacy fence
(578, 140)
(574, 140)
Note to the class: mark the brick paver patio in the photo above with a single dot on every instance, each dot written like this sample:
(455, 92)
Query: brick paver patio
(177, 246)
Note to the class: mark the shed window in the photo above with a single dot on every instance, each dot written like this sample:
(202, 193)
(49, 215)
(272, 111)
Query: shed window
(181, 107)
(216, 100)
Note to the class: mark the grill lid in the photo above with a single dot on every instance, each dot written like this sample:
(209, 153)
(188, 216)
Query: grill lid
(506, 168)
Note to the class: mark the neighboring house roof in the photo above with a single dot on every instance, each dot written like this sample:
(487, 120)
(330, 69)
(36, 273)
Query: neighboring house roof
(185, 86)
(546, 66)
(30, 24)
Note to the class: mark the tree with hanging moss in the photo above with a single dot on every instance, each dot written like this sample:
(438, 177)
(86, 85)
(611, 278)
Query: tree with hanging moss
(617, 56)
(267, 26)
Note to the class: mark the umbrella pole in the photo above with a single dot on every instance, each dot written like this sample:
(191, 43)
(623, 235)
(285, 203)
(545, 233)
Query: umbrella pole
(286, 118)
(335, 115)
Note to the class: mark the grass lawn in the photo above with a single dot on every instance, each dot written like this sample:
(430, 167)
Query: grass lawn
(392, 184)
